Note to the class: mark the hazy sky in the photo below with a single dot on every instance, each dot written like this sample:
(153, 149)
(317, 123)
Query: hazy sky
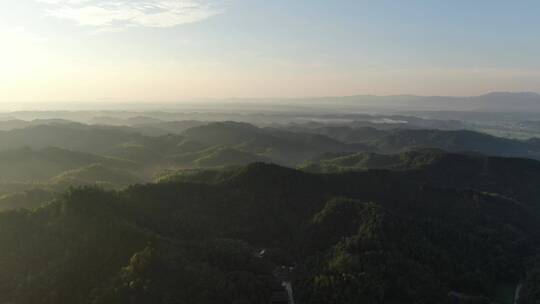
(169, 50)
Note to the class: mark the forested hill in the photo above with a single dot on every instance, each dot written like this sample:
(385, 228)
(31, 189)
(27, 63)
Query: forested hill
(44, 158)
(371, 236)
(398, 140)
(285, 145)
(511, 177)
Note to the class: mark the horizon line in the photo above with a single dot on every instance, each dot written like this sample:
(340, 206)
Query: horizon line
(218, 99)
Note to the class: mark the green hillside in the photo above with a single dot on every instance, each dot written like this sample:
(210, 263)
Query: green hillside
(224, 156)
(95, 174)
(28, 165)
(367, 160)
(280, 146)
(28, 199)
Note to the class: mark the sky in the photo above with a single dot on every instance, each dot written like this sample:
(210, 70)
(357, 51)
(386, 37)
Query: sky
(177, 50)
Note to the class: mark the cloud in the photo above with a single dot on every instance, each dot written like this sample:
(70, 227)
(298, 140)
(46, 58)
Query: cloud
(114, 15)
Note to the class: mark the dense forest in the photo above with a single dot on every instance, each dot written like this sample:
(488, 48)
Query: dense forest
(228, 212)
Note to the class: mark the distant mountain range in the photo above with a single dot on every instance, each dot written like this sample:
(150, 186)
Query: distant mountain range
(100, 112)
(491, 102)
